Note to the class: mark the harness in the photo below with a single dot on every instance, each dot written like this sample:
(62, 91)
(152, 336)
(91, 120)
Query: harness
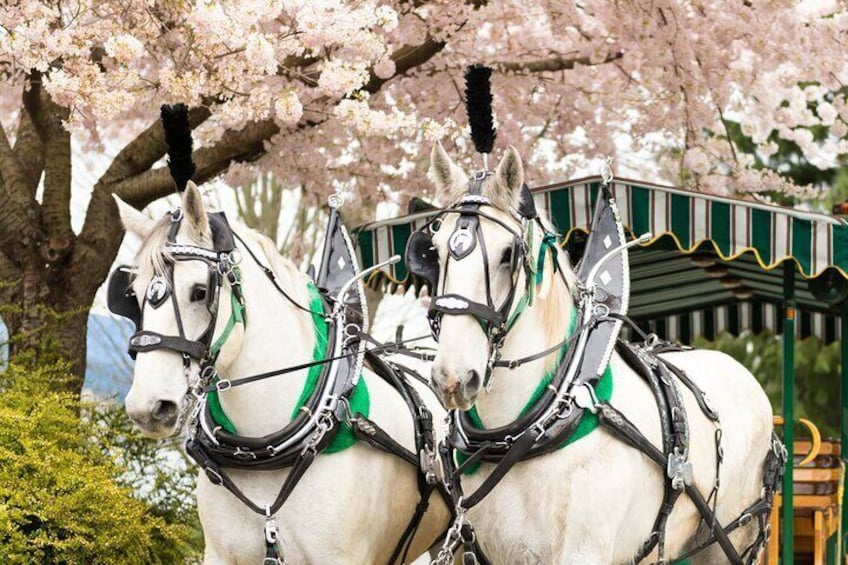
(603, 291)
(328, 408)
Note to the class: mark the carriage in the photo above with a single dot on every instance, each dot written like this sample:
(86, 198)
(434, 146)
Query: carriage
(713, 265)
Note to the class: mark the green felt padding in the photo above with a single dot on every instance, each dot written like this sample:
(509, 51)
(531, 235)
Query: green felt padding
(360, 401)
(588, 421)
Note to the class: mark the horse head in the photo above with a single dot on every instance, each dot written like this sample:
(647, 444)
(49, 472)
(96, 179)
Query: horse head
(481, 258)
(180, 292)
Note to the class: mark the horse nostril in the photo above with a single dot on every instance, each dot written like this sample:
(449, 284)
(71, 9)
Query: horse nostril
(164, 411)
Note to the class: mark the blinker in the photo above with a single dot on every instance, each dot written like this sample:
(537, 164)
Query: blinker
(157, 291)
(422, 259)
(120, 298)
(463, 240)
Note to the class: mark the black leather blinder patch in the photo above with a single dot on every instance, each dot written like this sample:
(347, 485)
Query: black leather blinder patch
(463, 240)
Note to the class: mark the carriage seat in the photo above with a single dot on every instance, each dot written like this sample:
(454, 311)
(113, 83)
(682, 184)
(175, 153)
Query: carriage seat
(818, 482)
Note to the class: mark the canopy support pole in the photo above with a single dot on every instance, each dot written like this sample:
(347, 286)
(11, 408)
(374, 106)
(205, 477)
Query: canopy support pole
(843, 420)
(788, 533)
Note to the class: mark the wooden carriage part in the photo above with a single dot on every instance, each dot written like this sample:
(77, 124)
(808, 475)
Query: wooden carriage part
(817, 492)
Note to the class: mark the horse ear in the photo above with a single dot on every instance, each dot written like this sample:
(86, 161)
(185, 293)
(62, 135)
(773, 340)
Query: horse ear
(509, 178)
(133, 220)
(195, 213)
(448, 177)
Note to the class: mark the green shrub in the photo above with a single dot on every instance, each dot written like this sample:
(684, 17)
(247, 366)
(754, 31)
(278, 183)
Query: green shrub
(64, 497)
(817, 374)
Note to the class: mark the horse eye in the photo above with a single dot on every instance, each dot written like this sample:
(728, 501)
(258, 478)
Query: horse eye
(435, 226)
(506, 257)
(198, 293)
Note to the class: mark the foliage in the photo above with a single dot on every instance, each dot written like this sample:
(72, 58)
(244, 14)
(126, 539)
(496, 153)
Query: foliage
(63, 494)
(817, 373)
(350, 90)
(158, 472)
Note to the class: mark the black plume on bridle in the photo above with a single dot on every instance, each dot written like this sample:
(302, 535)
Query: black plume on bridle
(178, 138)
(478, 103)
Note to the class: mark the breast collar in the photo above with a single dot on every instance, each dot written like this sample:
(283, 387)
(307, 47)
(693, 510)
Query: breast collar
(316, 424)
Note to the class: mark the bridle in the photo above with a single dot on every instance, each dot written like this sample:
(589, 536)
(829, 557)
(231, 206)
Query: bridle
(496, 320)
(222, 264)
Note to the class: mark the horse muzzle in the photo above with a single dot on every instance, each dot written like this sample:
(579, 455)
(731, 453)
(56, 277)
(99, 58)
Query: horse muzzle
(453, 392)
(158, 419)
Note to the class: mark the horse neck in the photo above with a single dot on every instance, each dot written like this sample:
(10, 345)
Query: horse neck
(277, 335)
(540, 327)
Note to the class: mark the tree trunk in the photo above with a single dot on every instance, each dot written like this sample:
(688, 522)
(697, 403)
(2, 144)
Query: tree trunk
(45, 314)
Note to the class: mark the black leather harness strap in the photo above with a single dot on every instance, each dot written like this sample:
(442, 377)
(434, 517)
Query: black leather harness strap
(425, 447)
(515, 454)
(624, 429)
(673, 438)
(218, 476)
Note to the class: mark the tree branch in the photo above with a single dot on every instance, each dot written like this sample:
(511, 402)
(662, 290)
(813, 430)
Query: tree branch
(406, 58)
(29, 151)
(244, 145)
(18, 212)
(141, 153)
(554, 64)
(56, 203)
(131, 177)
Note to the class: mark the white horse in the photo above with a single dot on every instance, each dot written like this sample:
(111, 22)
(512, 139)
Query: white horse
(594, 501)
(351, 507)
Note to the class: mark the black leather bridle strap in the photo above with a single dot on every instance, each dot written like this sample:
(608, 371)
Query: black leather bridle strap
(490, 302)
(455, 304)
(515, 363)
(146, 340)
(273, 278)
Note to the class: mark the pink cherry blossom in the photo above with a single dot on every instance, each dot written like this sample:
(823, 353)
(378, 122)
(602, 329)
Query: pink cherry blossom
(357, 91)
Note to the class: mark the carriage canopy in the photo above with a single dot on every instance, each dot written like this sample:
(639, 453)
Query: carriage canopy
(711, 266)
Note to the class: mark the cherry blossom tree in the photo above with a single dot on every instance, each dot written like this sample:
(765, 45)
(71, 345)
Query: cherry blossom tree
(323, 92)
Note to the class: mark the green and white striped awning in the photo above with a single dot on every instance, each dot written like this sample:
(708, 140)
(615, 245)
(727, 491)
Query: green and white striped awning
(750, 239)
(736, 318)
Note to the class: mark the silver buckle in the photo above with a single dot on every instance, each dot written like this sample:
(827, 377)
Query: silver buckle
(679, 470)
(585, 397)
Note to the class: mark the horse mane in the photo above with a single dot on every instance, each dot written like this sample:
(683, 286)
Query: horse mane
(153, 255)
(556, 306)
(289, 276)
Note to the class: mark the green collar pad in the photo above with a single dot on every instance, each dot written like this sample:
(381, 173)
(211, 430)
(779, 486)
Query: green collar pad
(360, 401)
